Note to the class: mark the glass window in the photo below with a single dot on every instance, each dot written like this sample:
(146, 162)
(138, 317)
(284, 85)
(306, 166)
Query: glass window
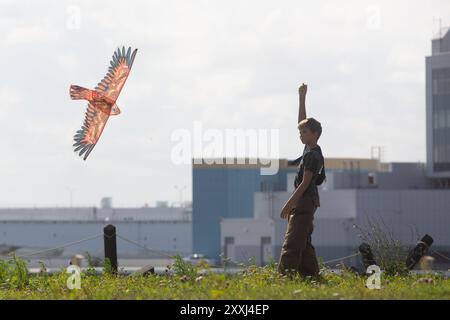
(435, 87)
(448, 117)
(441, 115)
(441, 118)
(435, 119)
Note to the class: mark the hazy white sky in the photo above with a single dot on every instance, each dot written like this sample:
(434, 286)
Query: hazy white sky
(230, 64)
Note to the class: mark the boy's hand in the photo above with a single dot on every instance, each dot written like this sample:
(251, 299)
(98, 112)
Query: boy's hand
(302, 90)
(286, 211)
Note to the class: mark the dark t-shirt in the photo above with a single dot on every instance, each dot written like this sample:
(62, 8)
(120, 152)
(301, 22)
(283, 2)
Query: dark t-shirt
(312, 160)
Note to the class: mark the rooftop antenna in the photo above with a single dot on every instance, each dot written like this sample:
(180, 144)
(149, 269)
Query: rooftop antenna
(440, 28)
(439, 20)
(375, 155)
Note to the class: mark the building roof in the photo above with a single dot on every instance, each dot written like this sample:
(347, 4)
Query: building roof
(151, 214)
(330, 163)
(441, 44)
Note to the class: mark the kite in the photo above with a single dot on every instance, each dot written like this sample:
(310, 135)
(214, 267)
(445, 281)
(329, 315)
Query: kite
(101, 101)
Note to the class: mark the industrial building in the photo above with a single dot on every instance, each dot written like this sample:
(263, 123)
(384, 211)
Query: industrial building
(438, 110)
(398, 195)
(159, 231)
(398, 200)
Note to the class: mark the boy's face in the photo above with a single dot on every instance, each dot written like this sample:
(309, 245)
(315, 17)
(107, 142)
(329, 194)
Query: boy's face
(306, 135)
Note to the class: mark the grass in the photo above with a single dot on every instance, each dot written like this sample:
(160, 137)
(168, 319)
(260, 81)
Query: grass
(187, 282)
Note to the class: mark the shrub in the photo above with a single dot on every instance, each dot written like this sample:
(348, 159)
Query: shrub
(389, 252)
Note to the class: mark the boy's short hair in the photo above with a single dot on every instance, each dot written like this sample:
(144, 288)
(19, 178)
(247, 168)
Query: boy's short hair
(312, 124)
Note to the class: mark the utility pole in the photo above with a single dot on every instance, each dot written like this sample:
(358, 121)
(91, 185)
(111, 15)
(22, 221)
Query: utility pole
(180, 191)
(70, 195)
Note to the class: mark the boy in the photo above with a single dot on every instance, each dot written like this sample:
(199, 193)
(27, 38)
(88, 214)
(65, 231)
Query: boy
(297, 253)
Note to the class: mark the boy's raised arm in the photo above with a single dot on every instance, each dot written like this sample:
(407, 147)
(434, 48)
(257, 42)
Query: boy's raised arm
(302, 97)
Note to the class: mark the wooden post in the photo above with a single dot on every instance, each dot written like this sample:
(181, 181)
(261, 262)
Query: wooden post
(109, 236)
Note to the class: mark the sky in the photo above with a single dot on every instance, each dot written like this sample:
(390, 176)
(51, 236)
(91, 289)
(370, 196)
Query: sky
(223, 64)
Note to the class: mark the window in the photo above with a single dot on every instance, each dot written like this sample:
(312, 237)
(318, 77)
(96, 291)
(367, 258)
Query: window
(441, 118)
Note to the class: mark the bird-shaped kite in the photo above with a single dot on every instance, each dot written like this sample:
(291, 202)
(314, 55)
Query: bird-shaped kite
(101, 101)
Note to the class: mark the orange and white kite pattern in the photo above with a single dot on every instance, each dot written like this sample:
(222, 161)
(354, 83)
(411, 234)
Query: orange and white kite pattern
(101, 101)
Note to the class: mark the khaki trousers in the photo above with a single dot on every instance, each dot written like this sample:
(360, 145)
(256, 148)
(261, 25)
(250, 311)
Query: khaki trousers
(298, 253)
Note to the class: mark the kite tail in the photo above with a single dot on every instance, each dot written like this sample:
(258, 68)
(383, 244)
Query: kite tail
(80, 93)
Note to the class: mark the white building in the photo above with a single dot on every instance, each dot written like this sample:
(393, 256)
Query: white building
(158, 231)
(404, 205)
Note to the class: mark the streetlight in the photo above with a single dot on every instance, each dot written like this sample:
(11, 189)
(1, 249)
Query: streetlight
(180, 190)
(71, 194)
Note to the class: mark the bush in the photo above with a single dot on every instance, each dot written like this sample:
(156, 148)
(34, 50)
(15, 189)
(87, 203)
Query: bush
(389, 252)
(183, 268)
(14, 273)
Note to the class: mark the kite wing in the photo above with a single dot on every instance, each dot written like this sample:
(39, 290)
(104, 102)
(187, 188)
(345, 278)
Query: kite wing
(94, 123)
(118, 72)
